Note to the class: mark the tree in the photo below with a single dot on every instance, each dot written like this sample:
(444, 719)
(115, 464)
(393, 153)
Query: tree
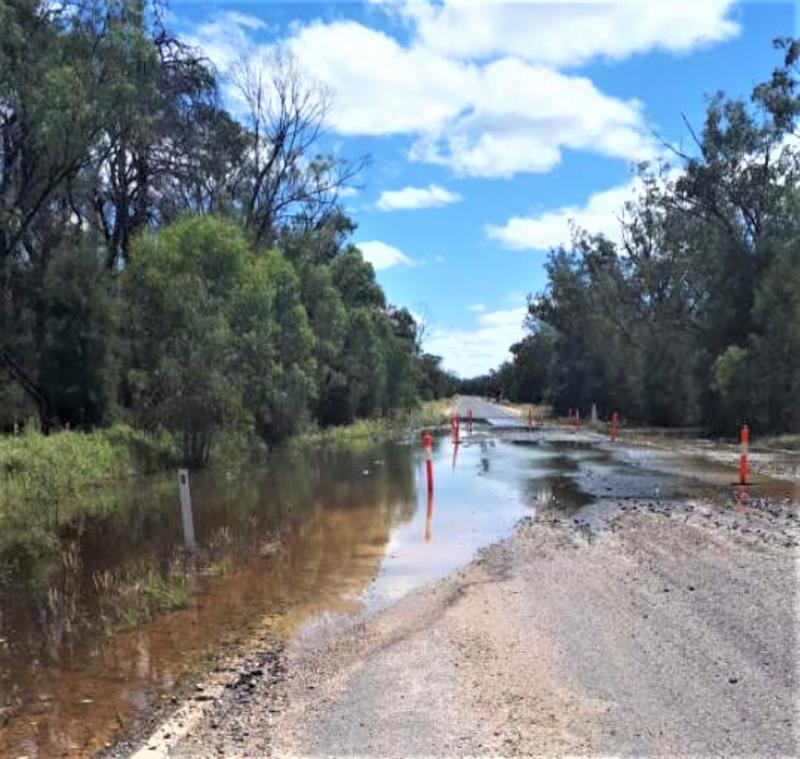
(49, 120)
(180, 288)
(282, 182)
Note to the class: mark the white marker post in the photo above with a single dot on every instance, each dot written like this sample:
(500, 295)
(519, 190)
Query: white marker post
(186, 508)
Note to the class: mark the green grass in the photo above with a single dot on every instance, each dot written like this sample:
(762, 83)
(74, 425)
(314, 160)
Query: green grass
(780, 442)
(45, 479)
(427, 414)
(140, 592)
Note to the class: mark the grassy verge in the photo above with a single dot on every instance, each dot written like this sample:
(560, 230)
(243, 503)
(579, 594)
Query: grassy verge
(780, 443)
(43, 477)
(427, 414)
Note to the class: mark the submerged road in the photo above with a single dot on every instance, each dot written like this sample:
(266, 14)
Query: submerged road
(486, 411)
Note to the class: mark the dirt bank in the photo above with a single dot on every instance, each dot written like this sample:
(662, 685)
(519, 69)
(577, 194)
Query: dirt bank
(663, 631)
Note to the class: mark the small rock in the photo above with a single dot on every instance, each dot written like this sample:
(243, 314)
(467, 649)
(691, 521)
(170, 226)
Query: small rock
(733, 680)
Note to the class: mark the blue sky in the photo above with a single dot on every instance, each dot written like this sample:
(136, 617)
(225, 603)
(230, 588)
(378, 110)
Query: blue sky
(490, 125)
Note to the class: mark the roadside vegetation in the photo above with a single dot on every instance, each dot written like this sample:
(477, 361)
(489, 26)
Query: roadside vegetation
(692, 316)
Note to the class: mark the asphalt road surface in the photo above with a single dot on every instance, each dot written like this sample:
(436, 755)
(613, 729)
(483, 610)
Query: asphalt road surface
(491, 413)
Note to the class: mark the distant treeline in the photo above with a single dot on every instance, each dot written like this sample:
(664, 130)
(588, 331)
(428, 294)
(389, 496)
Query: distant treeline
(168, 265)
(693, 316)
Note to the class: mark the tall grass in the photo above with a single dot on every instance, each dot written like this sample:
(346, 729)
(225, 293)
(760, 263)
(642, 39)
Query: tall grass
(426, 414)
(42, 476)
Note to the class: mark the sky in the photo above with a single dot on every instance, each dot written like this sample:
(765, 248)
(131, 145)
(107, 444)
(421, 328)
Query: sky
(491, 126)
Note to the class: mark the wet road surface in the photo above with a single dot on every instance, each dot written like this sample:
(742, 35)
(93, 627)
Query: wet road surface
(486, 411)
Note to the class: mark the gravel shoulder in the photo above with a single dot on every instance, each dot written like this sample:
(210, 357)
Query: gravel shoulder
(661, 634)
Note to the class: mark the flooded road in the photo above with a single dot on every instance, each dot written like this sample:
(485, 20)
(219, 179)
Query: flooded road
(107, 621)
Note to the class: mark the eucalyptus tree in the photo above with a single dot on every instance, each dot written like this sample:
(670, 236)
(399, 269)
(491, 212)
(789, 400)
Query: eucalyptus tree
(284, 180)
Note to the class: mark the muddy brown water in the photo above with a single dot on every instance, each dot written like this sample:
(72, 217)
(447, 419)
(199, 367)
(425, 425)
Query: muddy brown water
(280, 543)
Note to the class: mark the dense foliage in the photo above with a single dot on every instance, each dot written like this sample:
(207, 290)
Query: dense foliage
(693, 317)
(166, 265)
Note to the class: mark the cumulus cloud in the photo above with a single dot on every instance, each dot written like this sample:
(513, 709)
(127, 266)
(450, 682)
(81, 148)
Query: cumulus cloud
(481, 86)
(383, 256)
(485, 120)
(562, 34)
(475, 351)
(492, 119)
(548, 229)
(409, 198)
(477, 307)
(519, 117)
(379, 87)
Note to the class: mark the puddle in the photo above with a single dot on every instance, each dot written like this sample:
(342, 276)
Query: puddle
(303, 537)
(696, 476)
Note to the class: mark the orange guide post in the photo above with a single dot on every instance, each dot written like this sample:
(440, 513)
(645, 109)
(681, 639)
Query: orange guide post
(744, 439)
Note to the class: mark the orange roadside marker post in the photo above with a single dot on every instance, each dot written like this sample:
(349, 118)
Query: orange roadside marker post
(744, 439)
(469, 420)
(614, 418)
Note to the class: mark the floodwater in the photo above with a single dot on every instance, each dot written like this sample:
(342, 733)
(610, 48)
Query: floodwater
(292, 539)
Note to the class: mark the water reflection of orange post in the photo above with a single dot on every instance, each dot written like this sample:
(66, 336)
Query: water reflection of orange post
(429, 518)
(455, 454)
(427, 444)
(469, 421)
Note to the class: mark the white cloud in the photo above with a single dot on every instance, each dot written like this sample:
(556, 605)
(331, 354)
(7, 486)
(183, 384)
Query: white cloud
(517, 117)
(487, 120)
(380, 87)
(600, 215)
(477, 307)
(490, 119)
(567, 33)
(225, 38)
(432, 196)
(439, 259)
(476, 84)
(475, 351)
(383, 256)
